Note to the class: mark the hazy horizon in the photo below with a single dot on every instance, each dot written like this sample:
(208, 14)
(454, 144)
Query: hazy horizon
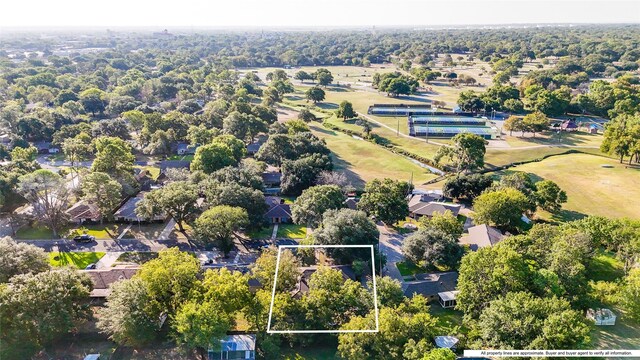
(304, 14)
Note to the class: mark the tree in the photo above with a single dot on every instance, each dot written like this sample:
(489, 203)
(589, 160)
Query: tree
(169, 281)
(323, 77)
(296, 126)
(200, 135)
(212, 157)
(502, 208)
(303, 75)
(233, 194)
(620, 137)
(433, 247)
(315, 94)
(25, 155)
(201, 325)
(238, 148)
(550, 323)
(77, 149)
(93, 100)
(300, 174)
(535, 122)
(217, 225)
(488, 274)
(347, 227)
(125, 318)
(466, 153)
(549, 196)
(440, 354)
(514, 106)
(48, 194)
(466, 186)
(445, 222)
(390, 292)
(38, 309)
(314, 202)
(630, 294)
(20, 258)
(100, 189)
(114, 157)
(264, 269)
(306, 115)
(243, 126)
(176, 199)
(403, 330)
(345, 110)
(385, 200)
(513, 123)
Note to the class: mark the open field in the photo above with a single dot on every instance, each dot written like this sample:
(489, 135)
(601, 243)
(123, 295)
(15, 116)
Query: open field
(578, 138)
(79, 260)
(362, 161)
(591, 189)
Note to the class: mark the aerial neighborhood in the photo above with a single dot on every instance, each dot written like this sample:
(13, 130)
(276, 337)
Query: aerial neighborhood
(375, 194)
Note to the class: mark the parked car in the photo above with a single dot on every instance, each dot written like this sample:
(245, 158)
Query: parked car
(84, 238)
(90, 266)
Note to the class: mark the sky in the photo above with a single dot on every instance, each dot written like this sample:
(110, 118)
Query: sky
(317, 13)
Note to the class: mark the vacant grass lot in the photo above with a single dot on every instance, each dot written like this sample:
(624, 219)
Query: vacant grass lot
(362, 161)
(591, 189)
(79, 260)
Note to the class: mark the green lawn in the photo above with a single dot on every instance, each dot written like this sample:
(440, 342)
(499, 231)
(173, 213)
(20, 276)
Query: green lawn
(363, 161)
(263, 233)
(76, 259)
(591, 188)
(625, 334)
(108, 231)
(605, 267)
(449, 321)
(34, 232)
(407, 268)
(292, 231)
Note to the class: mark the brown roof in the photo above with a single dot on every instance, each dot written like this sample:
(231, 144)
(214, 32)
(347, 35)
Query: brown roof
(83, 210)
(279, 211)
(482, 236)
(102, 279)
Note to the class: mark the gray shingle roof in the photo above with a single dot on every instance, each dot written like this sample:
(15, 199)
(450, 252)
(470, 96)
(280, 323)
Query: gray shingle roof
(431, 284)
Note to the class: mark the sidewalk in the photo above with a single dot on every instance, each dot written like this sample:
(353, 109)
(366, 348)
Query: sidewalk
(108, 259)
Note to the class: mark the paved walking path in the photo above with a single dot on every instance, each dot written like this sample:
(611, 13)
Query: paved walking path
(108, 259)
(124, 232)
(164, 235)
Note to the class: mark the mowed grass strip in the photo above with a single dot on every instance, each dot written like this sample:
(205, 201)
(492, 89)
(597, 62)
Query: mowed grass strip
(363, 161)
(591, 188)
(79, 260)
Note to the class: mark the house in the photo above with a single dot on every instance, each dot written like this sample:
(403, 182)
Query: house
(235, 347)
(303, 280)
(351, 203)
(253, 148)
(448, 299)
(84, 211)
(482, 236)
(144, 179)
(425, 196)
(127, 212)
(602, 316)
(569, 125)
(446, 342)
(185, 149)
(278, 214)
(5, 139)
(45, 147)
(102, 280)
(420, 209)
(271, 179)
(171, 164)
(430, 285)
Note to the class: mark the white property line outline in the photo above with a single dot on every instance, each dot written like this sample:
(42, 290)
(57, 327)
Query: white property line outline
(275, 280)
